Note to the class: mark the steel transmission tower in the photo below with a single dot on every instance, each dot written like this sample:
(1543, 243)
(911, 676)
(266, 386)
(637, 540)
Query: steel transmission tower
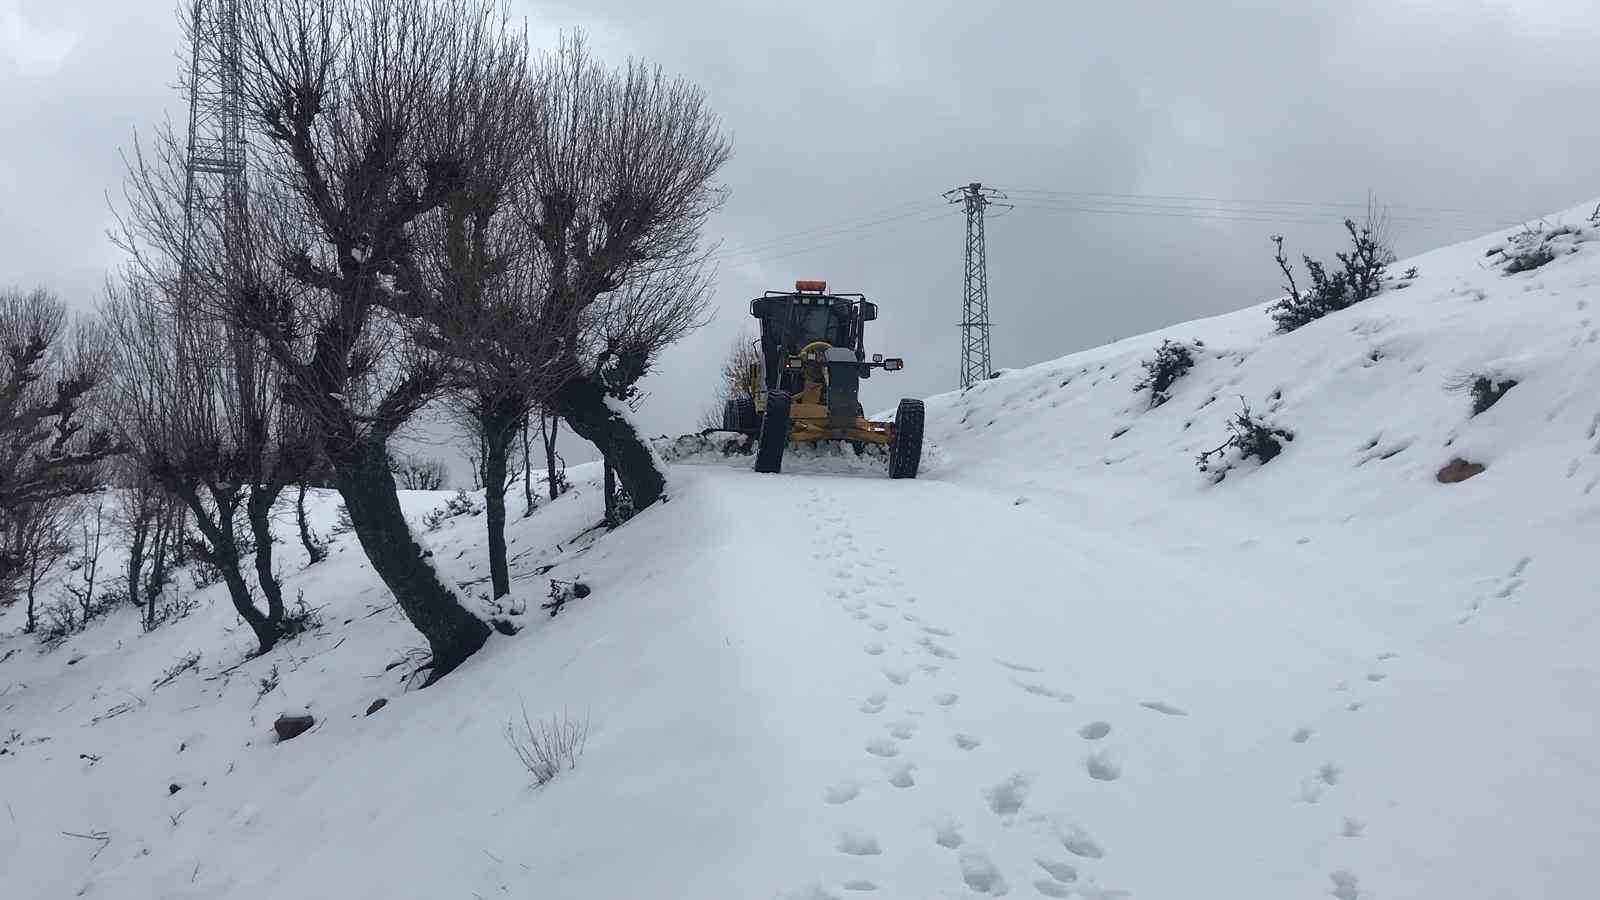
(214, 186)
(976, 363)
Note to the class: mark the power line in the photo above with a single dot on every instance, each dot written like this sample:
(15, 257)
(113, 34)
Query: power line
(837, 239)
(853, 223)
(1498, 213)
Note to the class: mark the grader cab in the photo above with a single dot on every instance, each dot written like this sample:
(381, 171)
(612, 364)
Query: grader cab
(806, 387)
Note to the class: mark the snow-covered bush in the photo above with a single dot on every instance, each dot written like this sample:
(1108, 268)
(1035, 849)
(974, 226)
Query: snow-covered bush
(1486, 390)
(1249, 437)
(1359, 277)
(563, 592)
(1532, 247)
(461, 504)
(1171, 362)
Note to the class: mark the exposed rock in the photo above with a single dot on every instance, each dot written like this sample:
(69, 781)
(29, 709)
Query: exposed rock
(173, 789)
(1458, 469)
(289, 727)
(377, 704)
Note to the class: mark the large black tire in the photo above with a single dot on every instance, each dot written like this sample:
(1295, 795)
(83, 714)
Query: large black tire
(745, 417)
(905, 454)
(774, 433)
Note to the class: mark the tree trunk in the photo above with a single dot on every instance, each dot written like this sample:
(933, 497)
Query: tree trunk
(258, 507)
(315, 551)
(222, 551)
(610, 488)
(362, 474)
(33, 581)
(527, 469)
(498, 430)
(582, 402)
(141, 528)
(548, 428)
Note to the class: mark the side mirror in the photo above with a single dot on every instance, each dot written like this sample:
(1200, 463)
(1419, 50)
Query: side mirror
(893, 365)
(758, 307)
(869, 311)
(877, 357)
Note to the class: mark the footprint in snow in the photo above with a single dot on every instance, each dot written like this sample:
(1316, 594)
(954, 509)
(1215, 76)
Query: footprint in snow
(1376, 676)
(1165, 709)
(879, 626)
(1344, 886)
(1301, 735)
(945, 699)
(1102, 767)
(903, 730)
(884, 747)
(1018, 667)
(981, 874)
(1079, 843)
(858, 843)
(938, 632)
(873, 649)
(1007, 797)
(1051, 889)
(1353, 828)
(900, 776)
(860, 884)
(897, 676)
(841, 791)
(947, 834)
(1042, 690)
(874, 703)
(941, 652)
(1058, 870)
(1094, 731)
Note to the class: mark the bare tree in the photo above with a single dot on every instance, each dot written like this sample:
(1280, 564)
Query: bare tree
(49, 449)
(418, 473)
(204, 423)
(38, 538)
(366, 113)
(90, 540)
(619, 189)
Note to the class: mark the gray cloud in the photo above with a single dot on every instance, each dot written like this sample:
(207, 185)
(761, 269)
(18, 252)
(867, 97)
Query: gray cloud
(851, 113)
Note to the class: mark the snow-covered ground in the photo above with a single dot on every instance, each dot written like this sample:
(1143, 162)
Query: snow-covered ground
(1062, 663)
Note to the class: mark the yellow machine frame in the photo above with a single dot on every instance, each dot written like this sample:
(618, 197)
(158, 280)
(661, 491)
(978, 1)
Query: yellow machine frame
(809, 419)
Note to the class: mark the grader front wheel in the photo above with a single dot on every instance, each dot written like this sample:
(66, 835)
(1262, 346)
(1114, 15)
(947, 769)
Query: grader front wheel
(774, 433)
(905, 454)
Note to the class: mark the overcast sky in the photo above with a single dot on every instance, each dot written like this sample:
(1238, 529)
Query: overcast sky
(1150, 148)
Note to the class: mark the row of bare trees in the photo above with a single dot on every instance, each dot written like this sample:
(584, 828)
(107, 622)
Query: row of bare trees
(431, 212)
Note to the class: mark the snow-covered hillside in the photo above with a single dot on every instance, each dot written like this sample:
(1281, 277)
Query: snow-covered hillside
(1062, 663)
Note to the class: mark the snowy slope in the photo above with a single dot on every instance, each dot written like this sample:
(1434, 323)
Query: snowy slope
(1063, 663)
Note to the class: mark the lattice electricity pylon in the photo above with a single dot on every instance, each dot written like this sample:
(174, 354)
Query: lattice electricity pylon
(214, 184)
(976, 362)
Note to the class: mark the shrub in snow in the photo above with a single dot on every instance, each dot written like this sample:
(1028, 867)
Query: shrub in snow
(563, 592)
(1249, 437)
(1171, 362)
(459, 505)
(1532, 247)
(171, 673)
(1359, 277)
(341, 523)
(549, 747)
(1486, 390)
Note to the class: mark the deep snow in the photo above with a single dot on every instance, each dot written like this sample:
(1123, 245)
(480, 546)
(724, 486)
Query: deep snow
(1063, 662)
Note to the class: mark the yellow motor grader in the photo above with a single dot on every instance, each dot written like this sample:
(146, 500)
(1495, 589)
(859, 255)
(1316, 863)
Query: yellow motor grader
(806, 386)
